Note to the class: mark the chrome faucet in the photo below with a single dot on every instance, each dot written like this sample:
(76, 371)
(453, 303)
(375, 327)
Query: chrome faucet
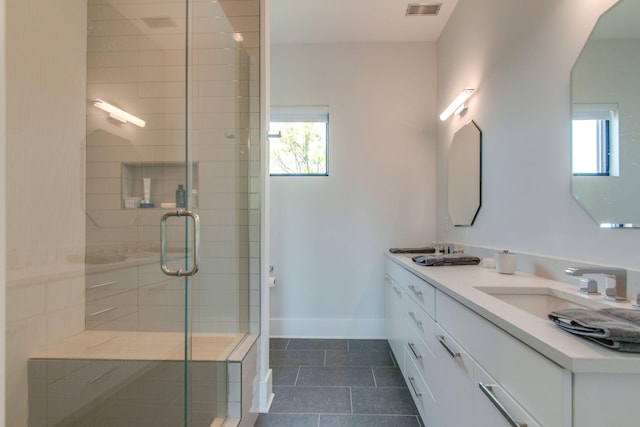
(617, 292)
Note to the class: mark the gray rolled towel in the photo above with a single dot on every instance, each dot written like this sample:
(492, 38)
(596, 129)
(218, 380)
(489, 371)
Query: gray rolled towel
(446, 259)
(422, 250)
(616, 328)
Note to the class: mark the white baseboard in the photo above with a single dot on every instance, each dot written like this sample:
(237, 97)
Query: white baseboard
(327, 328)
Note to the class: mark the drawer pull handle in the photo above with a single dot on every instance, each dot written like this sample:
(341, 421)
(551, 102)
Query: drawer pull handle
(99, 312)
(415, 319)
(103, 284)
(415, 291)
(398, 290)
(96, 378)
(488, 391)
(412, 346)
(442, 341)
(412, 381)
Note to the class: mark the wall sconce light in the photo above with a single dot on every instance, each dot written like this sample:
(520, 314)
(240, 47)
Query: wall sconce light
(118, 114)
(458, 104)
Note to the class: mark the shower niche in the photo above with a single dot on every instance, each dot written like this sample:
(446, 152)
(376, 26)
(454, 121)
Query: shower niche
(164, 178)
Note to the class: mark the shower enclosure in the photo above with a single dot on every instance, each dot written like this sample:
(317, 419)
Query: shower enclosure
(138, 278)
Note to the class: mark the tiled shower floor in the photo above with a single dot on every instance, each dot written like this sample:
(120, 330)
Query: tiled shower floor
(337, 383)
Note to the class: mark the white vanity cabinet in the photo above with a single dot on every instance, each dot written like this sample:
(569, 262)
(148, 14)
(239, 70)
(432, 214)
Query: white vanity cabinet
(534, 383)
(450, 351)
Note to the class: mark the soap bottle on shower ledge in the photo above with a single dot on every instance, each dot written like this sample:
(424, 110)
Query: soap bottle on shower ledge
(181, 197)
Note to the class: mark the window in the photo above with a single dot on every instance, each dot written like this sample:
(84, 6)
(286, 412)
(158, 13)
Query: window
(594, 140)
(298, 139)
(591, 147)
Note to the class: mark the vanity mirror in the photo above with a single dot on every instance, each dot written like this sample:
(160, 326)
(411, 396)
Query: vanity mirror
(605, 116)
(464, 175)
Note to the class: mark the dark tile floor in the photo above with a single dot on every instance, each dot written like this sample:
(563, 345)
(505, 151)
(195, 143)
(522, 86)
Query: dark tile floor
(337, 383)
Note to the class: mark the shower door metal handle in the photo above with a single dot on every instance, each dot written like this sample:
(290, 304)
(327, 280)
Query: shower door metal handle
(196, 243)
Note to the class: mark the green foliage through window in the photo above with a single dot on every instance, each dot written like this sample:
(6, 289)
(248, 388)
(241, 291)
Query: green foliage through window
(298, 144)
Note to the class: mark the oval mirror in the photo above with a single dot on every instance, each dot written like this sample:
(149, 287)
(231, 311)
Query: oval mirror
(605, 119)
(465, 175)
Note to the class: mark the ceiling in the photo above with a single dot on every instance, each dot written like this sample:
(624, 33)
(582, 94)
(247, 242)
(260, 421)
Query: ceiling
(354, 21)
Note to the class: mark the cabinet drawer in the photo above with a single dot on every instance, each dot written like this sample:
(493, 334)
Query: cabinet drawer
(105, 310)
(112, 282)
(421, 393)
(420, 291)
(543, 387)
(418, 320)
(495, 407)
(393, 270)
(421, 355)
(80, 387)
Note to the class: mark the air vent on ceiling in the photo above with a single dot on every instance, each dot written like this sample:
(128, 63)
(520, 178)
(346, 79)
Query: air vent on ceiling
(159, 22)
(423, 9)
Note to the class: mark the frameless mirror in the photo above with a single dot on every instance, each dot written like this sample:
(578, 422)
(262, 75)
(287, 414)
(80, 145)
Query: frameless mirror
(605, 118)
(465, 175)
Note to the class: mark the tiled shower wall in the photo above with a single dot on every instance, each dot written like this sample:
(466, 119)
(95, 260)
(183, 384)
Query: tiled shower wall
(136, 60)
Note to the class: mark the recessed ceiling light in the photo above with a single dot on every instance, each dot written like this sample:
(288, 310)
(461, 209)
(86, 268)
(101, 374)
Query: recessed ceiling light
(423, 9)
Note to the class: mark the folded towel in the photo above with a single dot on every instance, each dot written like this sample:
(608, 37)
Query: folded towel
(446, 259)
(423, 250)
(616, 328)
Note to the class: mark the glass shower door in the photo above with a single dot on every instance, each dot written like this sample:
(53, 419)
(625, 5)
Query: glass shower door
(139, 173)
(151, 97)
(175, 153)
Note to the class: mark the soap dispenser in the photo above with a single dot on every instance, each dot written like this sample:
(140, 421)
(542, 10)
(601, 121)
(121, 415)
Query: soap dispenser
(181, 197)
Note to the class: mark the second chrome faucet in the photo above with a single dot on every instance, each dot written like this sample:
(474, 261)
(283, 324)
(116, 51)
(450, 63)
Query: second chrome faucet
(616, 289)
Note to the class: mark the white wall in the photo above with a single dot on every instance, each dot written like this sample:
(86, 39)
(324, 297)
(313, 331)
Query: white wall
(328, 234)
(519, 55)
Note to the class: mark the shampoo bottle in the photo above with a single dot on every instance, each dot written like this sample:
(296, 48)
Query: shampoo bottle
(181, 197)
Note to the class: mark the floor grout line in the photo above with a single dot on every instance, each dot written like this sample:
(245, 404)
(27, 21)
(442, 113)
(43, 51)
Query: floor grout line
(295, 383)
(319, 380)
(373, 374)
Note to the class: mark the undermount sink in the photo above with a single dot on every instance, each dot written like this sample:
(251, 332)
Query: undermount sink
(540, 301)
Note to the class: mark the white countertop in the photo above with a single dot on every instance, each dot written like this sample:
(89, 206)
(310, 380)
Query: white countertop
(571, 352)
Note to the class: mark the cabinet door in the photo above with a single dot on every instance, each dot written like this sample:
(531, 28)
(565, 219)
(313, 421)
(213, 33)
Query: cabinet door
(494, 407)
(452, 380)
(394, 319)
